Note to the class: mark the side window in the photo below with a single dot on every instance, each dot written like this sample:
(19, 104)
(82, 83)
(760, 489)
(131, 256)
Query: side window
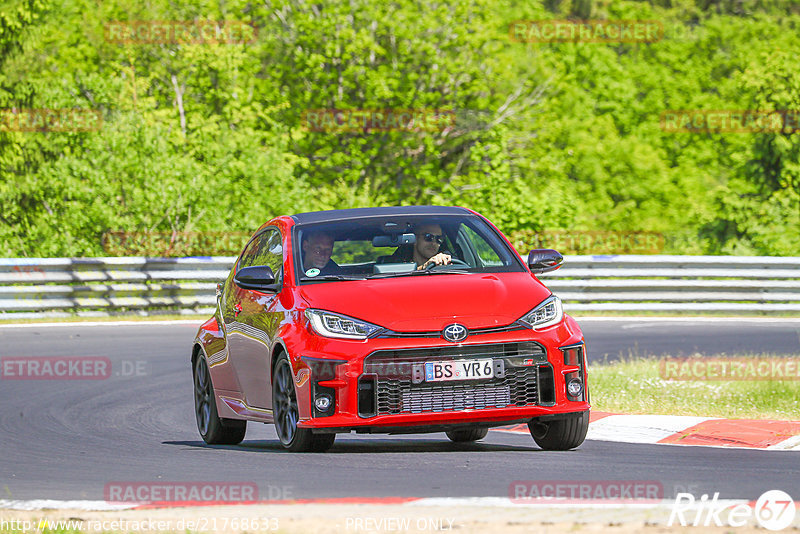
(486, 254)
(271, 254)
(250, 252)
(266, 249)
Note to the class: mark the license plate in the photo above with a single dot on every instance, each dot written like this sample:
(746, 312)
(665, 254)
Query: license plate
(459, 370)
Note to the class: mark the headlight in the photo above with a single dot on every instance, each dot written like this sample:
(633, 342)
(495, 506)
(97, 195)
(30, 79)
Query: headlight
(331, 324)
(548, 313)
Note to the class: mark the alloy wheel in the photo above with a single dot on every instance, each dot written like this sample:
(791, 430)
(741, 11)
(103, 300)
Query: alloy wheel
(285, 403)
(202, 396)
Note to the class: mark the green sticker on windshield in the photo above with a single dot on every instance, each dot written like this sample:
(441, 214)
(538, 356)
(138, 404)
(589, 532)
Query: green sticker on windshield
(312, 272)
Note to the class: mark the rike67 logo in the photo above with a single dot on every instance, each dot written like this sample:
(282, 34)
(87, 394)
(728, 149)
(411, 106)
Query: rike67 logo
(774, 510)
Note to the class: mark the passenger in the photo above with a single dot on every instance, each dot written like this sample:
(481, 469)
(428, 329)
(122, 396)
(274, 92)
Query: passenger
(317, 249)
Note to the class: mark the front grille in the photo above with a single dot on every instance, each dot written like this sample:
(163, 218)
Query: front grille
(396, 392)
(438, 333)
(405, 357)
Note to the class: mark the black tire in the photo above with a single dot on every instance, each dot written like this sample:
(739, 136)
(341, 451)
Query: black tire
(213, 429)
(286, 414)
(560, 434)
(468, 434)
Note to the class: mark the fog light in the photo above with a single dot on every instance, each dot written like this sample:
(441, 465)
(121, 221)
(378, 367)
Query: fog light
(322, 402)
(575, 387)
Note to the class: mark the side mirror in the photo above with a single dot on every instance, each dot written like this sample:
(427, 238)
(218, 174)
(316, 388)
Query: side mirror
(258, 277)
(543, 260)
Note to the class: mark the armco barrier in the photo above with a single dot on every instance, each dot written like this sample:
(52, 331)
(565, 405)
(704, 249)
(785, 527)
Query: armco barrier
(52, 287)
(55, 287)
(678, 283)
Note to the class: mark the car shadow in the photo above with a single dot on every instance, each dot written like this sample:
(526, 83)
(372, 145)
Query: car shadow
(366, 446)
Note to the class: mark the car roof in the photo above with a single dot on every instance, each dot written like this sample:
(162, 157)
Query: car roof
(361, 213)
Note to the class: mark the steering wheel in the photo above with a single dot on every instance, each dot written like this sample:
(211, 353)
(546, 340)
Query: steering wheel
(453, 261)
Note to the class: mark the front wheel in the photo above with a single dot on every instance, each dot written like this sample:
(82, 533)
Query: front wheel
(466, 435)
(286, 414)
(213, 429)
(560, 434)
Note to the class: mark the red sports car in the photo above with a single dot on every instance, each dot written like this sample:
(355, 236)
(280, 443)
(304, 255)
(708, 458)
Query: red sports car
(388, 320)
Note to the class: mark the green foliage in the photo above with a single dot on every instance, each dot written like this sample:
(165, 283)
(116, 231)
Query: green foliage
(206, 137)
(637, 384)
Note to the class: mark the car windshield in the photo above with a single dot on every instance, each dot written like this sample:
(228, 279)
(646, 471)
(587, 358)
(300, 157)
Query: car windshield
(395, 246)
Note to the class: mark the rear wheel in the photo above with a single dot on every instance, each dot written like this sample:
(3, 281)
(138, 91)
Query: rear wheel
(560, 434)
(213, 429)
(468, 434)
(284, 408)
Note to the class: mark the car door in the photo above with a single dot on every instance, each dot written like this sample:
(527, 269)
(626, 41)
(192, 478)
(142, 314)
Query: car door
(252, 319)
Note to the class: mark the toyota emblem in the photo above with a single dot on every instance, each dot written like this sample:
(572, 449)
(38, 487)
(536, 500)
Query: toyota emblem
(455, 332)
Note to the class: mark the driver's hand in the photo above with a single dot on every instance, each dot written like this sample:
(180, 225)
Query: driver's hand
(437, 259)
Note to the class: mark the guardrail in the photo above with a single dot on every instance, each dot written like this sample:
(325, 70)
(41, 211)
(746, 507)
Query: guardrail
(53, 287)
(96, 287)
(678, 283)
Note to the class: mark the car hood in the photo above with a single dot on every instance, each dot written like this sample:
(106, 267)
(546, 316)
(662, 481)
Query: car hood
(430, 302)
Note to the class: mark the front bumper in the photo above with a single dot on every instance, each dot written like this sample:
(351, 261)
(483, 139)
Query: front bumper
(375, 384)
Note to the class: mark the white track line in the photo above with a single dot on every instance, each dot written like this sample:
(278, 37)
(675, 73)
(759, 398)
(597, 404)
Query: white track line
(790, 444)
(47, 504)
(640, 428)
(73, 324)
(491, 502)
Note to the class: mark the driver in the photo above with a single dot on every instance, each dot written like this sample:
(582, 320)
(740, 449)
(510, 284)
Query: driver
(425, 251)
(426, 247)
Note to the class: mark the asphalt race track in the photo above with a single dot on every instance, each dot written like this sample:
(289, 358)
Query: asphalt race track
(608, 339)
(67, 439)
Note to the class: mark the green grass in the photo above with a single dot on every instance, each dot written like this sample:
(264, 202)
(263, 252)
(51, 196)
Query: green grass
(634, 385)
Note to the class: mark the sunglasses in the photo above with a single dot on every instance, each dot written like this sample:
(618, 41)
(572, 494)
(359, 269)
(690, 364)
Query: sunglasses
(430, 237)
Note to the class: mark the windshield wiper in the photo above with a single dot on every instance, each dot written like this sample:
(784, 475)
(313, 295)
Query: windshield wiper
(417, 273)
(331, 277)
(441, 271)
